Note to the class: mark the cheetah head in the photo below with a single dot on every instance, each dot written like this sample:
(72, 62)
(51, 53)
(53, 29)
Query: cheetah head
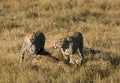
(61, 43)
(58, 44)
(30, 38)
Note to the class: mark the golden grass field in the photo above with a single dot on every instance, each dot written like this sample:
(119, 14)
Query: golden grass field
(97, 20)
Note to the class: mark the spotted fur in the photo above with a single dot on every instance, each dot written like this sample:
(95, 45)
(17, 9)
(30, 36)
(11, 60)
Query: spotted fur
(49, 62)
(70, 45)
(33, 44)
(75, 59)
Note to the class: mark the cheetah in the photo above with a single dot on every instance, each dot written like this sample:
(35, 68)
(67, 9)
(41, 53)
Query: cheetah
(33, 44)
(43, 61)
(70, 45)
(75, 60)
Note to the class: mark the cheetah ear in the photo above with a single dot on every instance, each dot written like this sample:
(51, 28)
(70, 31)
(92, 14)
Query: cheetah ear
(62, 39)
(33, 33)
(69, 39)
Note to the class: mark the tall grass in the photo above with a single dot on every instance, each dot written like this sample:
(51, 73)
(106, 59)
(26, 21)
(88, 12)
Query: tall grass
(97, 20)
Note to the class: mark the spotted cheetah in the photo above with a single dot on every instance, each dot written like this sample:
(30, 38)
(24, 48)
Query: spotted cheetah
(76, 60)
(49, 62)
(33, 44)
(70, 45)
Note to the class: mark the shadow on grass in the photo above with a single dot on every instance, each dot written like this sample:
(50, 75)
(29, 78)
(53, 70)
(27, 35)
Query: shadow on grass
(91, 54)
(112, 57)
(87, 50)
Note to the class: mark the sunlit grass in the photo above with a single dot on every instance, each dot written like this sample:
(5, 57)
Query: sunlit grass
(98, 21)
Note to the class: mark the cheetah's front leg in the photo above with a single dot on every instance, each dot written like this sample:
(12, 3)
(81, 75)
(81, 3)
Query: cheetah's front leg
(22, 54)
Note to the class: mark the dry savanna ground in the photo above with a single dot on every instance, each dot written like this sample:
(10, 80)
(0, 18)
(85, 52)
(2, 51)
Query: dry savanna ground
(97, 20)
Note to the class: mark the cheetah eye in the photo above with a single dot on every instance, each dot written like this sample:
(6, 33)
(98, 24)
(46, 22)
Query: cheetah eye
(32, 37)
(54, 48)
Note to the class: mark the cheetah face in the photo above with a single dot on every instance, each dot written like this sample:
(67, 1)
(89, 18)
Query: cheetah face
(62, 43)
(58, 44)
(30, 38)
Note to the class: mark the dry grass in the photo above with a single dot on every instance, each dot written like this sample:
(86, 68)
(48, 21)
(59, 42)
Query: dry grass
(98, 21)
